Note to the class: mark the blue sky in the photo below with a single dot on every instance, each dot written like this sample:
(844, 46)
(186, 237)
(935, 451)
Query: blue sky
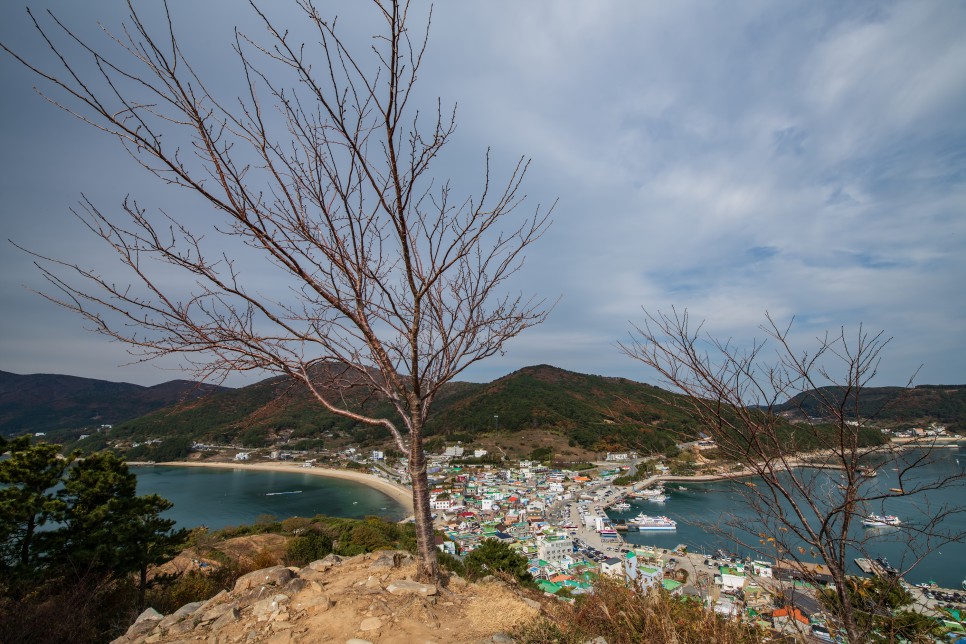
(806, 159)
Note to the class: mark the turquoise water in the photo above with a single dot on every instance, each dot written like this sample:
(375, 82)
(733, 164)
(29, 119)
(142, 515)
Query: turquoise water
(703, 505)
(230, 497)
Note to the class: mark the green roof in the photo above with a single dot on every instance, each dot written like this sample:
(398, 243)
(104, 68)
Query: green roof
(671, 585)
(548, 586)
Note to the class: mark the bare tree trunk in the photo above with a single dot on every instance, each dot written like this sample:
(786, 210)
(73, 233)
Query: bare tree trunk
(428, 568)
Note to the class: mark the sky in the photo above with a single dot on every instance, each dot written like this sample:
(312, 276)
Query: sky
(801, 159)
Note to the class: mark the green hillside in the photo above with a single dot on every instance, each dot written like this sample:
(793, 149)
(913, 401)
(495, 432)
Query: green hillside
(926, 403)
(592, 412)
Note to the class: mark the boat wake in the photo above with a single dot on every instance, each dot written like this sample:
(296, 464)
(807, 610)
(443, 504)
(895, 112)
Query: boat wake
(277, 493)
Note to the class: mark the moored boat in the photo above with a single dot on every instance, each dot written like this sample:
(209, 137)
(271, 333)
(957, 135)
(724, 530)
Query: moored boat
(646, 522)
(880, 521)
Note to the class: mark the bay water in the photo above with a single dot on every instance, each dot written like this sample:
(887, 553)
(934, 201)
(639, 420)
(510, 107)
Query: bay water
(703, 509)
(221, 497)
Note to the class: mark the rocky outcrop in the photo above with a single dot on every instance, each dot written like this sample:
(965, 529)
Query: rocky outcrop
(369, 598)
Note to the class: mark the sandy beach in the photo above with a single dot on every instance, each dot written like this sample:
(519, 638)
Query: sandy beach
(400, 494)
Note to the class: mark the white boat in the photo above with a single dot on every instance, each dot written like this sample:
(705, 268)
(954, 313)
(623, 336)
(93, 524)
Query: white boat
(622, 506)
(660, 498)
(646, 522)
(649, 492)
(880, 521)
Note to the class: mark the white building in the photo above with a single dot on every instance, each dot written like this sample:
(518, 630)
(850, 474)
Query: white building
(455, 451)
(732, 578)
(242, 456)
(554, 549)
(613, 567)
(378, 455)
(479, 453)
(443, 503)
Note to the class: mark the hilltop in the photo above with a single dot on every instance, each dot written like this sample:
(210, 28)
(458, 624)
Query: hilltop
(47, 402)
(586, 411)
(942, 403)
(541, 405)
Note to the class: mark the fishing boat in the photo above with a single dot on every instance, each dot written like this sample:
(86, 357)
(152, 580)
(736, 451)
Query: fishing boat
(622, 506)
(657, 498)
(646, 522)
(880, 521)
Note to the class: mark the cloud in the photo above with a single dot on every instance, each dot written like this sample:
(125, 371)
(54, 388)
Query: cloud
(805, 160)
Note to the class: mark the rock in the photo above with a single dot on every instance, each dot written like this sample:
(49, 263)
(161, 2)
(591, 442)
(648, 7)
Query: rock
(388, 559)
(180, 614)
(502, 638)
(264, 609)
(139, 629)
(532, 603)
(215, 612)
(230, 616)
(217, 599)
(407, 587)
(356, 640)
(149, 613)
(596, 640)
(372, 582)
(456, 582)
(297, 585)
(144, 624)
(186, 625)
(370, 624)
(319, 602)
(274, 576)
(324, 563)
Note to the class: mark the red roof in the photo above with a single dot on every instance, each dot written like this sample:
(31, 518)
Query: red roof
(789, 612)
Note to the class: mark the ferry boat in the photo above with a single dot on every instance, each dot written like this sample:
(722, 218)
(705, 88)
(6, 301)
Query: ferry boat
(658, 498)
(646, 522)
(880, 521)
(622, 506)
(649, 492)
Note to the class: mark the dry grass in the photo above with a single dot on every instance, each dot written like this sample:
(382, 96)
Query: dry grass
(496, 609)
(621, 614)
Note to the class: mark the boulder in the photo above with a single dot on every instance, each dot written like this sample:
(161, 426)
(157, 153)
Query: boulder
(267, 608)
(274, 576)
(230, 616)
(407, 587)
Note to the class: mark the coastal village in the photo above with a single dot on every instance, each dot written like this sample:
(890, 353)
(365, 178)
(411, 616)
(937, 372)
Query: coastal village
(558, 519)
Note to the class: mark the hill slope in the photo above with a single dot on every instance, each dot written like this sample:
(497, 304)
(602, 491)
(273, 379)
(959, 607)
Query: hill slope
(942, 403)
(593, 412)
(46, 402)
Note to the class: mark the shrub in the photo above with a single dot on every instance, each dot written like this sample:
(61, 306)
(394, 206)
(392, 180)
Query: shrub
(619, 613)
(492, 557)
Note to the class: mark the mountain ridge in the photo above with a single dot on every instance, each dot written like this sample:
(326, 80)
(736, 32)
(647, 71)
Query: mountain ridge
(590, 411)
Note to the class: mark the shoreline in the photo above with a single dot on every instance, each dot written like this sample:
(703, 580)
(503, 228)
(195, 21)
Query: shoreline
(401, 495)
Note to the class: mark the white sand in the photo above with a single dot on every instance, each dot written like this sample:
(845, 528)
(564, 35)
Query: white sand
(401, 494)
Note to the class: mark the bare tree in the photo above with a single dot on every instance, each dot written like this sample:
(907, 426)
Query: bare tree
(763, 409)
(378, 274)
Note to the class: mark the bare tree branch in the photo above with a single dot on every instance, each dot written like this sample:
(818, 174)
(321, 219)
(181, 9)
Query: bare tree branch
(322, 167)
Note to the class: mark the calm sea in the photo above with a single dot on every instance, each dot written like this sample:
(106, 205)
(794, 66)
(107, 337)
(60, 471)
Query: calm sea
(701, 505)
(230, 497)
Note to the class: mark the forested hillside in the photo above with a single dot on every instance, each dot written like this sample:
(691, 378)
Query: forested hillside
(46, 402)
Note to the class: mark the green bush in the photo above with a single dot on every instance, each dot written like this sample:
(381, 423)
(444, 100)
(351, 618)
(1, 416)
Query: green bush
(493, 557)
